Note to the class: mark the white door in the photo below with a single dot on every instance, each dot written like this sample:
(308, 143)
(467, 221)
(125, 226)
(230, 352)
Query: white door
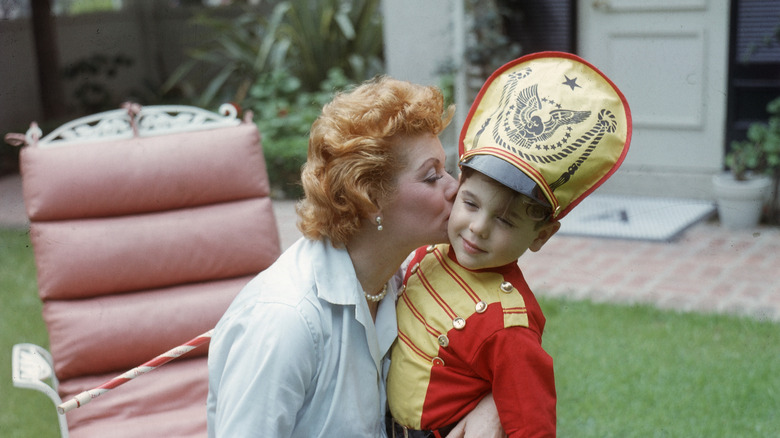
(670, 59)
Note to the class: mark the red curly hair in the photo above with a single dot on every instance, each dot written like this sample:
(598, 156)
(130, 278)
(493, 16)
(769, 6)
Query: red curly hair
(351, 166)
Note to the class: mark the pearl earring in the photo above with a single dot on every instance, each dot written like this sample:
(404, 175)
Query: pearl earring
(379, 226)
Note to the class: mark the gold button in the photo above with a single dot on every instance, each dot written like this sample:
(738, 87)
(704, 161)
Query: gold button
(443, 340)
(459, 323)
(415, 268)
(401, 289)
(507, 287)
(437, 361)
(481, 307)
(430, 248)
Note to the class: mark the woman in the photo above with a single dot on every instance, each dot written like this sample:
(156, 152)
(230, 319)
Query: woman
(301, 350)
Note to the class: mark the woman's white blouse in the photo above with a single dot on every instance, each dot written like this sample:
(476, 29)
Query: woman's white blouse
(297, 353)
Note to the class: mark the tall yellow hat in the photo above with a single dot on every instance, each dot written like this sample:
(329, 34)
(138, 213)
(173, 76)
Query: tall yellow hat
(550, 126)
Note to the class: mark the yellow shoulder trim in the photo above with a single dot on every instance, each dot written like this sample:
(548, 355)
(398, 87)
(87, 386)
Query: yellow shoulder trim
(515, 312)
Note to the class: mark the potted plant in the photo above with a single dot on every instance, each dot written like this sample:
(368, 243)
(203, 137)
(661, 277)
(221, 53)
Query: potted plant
(754, 173)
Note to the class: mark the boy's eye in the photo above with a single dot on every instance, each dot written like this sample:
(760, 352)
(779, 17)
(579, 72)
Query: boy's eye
(506, 222)
(471, 205)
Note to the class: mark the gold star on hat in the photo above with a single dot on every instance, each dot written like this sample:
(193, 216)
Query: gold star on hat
(550, 126)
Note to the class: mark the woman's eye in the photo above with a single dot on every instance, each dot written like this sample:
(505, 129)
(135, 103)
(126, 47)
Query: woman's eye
(433, 178)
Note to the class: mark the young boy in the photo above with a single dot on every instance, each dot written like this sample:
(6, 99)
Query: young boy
(543, 133)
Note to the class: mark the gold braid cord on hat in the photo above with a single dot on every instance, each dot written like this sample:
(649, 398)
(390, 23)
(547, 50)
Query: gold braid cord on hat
(557, 119)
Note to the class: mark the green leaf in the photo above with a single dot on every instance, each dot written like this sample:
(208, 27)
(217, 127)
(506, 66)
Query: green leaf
(178, 75)
(273, 39)
(345, 25)
(216, 84)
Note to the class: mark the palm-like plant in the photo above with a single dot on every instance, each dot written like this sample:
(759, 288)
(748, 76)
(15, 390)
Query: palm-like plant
(327, 34)
(284, 68)
(306, 38)
(240, 50)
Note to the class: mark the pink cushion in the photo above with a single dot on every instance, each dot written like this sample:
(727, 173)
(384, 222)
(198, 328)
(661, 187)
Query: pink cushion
(90, 257)
(143, 174)
(167, 402)
(117, 332)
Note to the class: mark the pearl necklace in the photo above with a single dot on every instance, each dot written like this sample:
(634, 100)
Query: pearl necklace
(378, 297)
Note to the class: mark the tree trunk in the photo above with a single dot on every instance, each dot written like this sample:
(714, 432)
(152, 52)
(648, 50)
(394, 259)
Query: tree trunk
(46, 54)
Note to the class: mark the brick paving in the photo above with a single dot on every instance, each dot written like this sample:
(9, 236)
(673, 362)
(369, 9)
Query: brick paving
(708, 269)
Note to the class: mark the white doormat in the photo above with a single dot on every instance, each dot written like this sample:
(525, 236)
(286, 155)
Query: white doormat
(628, 217)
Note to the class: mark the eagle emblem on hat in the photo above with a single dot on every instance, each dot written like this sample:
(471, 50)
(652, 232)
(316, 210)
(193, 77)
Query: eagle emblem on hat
(524, 118)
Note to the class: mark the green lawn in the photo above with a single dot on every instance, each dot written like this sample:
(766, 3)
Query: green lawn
(620, 371)
(23, 413)
(641, 372)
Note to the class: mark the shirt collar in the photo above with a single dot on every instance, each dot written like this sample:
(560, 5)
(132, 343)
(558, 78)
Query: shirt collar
(337, 284)
(335, 275)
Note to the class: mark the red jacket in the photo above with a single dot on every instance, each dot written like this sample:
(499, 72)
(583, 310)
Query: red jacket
(463, 334)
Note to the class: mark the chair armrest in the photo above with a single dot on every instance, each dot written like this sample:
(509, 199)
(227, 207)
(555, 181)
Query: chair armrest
(30, 366)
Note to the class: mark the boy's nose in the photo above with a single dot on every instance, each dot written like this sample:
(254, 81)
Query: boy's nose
(480, 227)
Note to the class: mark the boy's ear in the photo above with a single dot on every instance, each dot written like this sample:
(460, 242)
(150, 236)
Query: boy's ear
(544, 234)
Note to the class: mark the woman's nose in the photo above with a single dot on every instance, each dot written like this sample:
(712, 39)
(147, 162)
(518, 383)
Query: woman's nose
(451, 188)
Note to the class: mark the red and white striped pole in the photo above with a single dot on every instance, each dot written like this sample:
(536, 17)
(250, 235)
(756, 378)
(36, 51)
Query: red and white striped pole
(87, 396)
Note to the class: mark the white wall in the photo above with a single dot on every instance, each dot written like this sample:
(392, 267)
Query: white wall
(420, 37)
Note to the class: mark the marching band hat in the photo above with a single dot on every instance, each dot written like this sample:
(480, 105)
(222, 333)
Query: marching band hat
(550, 126)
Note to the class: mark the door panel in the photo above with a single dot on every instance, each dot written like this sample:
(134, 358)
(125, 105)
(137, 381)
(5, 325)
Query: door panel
(669, 57)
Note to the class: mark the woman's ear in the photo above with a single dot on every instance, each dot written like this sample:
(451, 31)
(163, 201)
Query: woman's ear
(544, 234)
